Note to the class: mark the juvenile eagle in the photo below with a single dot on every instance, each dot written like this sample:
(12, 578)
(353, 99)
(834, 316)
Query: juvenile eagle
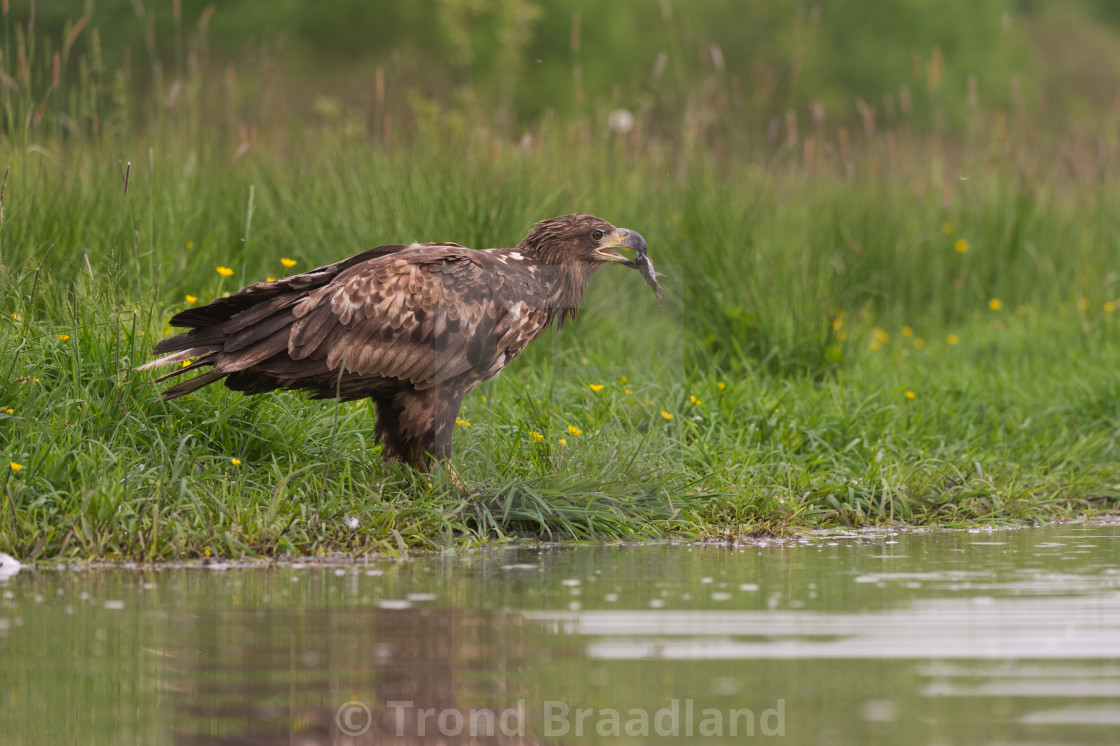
(413, 327)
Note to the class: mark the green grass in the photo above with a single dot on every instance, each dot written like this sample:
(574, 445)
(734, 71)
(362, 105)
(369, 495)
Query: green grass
(784, 414)
(827, 354)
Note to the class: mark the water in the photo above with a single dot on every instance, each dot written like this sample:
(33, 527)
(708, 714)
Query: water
(1011, 637)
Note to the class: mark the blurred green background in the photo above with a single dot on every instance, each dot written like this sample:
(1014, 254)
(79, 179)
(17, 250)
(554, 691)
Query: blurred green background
(508, 63)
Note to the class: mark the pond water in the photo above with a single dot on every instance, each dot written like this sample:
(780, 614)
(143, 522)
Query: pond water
(943, 637)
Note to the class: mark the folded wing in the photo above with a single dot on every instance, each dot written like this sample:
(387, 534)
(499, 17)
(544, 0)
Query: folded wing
(429, 314)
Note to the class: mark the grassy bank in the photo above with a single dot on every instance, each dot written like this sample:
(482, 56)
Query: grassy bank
(864, 323)
(833, 351)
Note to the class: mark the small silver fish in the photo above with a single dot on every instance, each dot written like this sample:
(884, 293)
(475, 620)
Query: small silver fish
(644, 265)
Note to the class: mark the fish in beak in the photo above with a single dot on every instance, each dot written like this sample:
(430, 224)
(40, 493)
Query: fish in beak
(624, 238)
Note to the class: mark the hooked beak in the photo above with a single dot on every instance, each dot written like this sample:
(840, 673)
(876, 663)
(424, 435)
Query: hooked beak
(622, 238)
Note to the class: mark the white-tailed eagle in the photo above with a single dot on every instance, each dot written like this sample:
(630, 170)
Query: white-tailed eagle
(414, 328)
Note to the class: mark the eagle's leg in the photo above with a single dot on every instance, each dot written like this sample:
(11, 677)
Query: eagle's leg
(416, 426)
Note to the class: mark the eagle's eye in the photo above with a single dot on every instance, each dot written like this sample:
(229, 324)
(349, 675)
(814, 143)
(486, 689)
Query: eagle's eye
(597, 234)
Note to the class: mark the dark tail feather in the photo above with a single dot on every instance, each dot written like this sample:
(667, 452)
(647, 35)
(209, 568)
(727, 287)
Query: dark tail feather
(194, 384)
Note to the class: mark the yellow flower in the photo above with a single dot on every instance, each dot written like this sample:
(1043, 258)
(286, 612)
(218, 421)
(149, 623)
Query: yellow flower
(562, 442)
(186, 362)
(62, 337)
(995, 304)
(270, 279)
(461, 421)
(919, 343)
(190, 244)
(624, 379)
(627, 391)
(841, 336)
(952, 339)
(224, 271)
(17, 317)
(876, 344)
(1109, 306)
(235, 461)
(288, 262)
(907, 332)
(837, 324)
(574, 430)
(9, 410)
(1082, 304)
(15, 466)
(880, 335)
(666, 415)
(721, 385)
(909, 394)
(191, 298)
(596, 387)
(206, 552)
(947, 228)
(961, 246)
(536, 436)
(694, 400)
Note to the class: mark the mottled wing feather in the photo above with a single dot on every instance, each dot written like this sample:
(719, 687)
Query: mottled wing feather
(250, 298)
(429, 314)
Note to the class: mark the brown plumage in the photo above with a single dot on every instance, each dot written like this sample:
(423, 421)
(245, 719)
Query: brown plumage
(414, 328)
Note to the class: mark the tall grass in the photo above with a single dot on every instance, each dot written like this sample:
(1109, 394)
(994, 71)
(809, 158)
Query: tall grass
(877, 328)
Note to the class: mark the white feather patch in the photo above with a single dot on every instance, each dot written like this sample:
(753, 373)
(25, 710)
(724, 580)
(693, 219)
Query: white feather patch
(174, 357)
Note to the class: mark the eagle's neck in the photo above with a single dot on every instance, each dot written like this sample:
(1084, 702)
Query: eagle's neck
(561, 282)
(566, 285)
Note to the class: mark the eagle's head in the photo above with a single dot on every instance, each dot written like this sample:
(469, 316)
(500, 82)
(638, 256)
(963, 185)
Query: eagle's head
(582, 239)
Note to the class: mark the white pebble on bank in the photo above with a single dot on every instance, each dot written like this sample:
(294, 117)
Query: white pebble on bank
(9, 566)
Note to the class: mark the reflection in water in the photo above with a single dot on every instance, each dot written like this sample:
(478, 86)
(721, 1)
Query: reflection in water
(927, 638)
(363, 674)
